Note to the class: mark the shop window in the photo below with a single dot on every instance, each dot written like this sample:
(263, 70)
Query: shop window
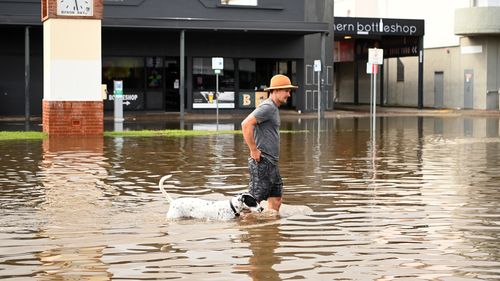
(204, 76)
(154, 69)
(247, 76)
(130, 70)
(239, 2)
(204, 84)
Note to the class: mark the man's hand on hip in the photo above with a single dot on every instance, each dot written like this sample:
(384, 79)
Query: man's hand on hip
(255, 154)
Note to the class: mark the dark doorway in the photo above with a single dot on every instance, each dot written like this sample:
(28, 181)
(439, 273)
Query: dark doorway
(172, 84)
(162, 83)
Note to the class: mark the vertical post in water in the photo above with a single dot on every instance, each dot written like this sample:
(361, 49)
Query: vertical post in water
(182, 78)
(319, 95)
(322, 81)
(370, 70)
(374, 98)
(27, 74)
(317, 69)
(217, 98)
(217, 66)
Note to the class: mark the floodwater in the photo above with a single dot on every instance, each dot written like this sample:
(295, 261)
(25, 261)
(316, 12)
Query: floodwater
(421, 201)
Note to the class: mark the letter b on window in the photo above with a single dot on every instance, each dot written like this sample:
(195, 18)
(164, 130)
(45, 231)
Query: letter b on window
(247, 100)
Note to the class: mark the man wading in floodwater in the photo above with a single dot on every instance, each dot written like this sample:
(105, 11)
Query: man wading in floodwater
(261, 133)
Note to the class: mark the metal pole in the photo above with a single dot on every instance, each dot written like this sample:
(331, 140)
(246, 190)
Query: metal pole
(27, 73)
(323, 72)
(334, 79)
(217, 98)
(371, 94)
(381, 99)
(421, 73)
(182, 78)
(375, 68)
(356, 77)
(319, 95)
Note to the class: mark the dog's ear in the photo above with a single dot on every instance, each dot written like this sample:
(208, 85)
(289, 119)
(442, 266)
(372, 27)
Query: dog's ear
(249, 200)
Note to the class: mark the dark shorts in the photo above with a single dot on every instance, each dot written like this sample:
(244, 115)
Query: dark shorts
(265, 179)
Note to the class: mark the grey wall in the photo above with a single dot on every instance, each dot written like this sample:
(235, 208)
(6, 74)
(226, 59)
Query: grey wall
(452, 61)
(279, 10)
(321, 11)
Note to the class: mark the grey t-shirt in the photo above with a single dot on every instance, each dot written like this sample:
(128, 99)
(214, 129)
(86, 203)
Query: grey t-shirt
(266, 133)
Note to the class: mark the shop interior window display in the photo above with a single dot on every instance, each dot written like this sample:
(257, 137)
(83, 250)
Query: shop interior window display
(204, 84)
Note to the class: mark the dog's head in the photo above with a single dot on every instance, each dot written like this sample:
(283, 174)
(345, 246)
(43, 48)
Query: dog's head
(245, 201)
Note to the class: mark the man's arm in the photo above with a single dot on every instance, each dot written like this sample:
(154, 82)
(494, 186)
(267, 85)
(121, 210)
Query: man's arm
(248, 127)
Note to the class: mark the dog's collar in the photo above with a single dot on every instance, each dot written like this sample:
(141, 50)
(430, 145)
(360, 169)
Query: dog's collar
(234, 209)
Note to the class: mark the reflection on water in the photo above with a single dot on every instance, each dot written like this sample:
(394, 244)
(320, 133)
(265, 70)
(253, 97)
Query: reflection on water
(71, 175)
(420, 202)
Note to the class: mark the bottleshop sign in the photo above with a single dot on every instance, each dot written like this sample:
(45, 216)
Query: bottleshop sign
(378, 26)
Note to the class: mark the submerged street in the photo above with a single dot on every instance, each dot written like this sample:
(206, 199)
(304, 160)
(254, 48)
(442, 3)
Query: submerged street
(421, 202)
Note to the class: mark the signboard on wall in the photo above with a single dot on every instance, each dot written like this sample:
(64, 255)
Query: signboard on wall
(208, 99)
(132, 100)
(378, 26)
(251, 99)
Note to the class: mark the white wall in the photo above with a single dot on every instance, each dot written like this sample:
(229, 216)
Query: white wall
(439, 15)
(72, 60)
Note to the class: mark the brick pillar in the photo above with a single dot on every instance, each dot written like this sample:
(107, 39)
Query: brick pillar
(73, 118)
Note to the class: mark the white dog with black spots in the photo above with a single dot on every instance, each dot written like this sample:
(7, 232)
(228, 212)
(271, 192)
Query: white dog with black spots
(197, 208)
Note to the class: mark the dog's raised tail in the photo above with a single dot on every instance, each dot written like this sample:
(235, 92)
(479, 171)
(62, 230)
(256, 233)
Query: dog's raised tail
(160, 185)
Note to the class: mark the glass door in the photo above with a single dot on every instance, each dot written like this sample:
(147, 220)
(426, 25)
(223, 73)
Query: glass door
(154, 83)
(172, 84)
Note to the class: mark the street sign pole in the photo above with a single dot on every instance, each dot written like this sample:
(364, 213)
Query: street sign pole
(217, 71)
(374, 97)
(369, 68)
(217, 66)
(317, 69)
(375, 58)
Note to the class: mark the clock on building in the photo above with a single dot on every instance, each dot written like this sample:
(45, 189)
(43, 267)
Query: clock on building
(75, 7)
(91, 9)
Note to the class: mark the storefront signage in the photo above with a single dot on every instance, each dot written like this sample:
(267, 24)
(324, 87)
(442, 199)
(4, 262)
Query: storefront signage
(317, 65)
(251, 99)
(132, 100)
(207, 99)
(125, 97)
(217, 63)
(378, 26)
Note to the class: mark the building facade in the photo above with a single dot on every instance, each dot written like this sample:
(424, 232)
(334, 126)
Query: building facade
(461, 47)
(142, 44)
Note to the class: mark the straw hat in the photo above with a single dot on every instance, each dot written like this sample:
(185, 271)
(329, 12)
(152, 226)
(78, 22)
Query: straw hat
(280, 81)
